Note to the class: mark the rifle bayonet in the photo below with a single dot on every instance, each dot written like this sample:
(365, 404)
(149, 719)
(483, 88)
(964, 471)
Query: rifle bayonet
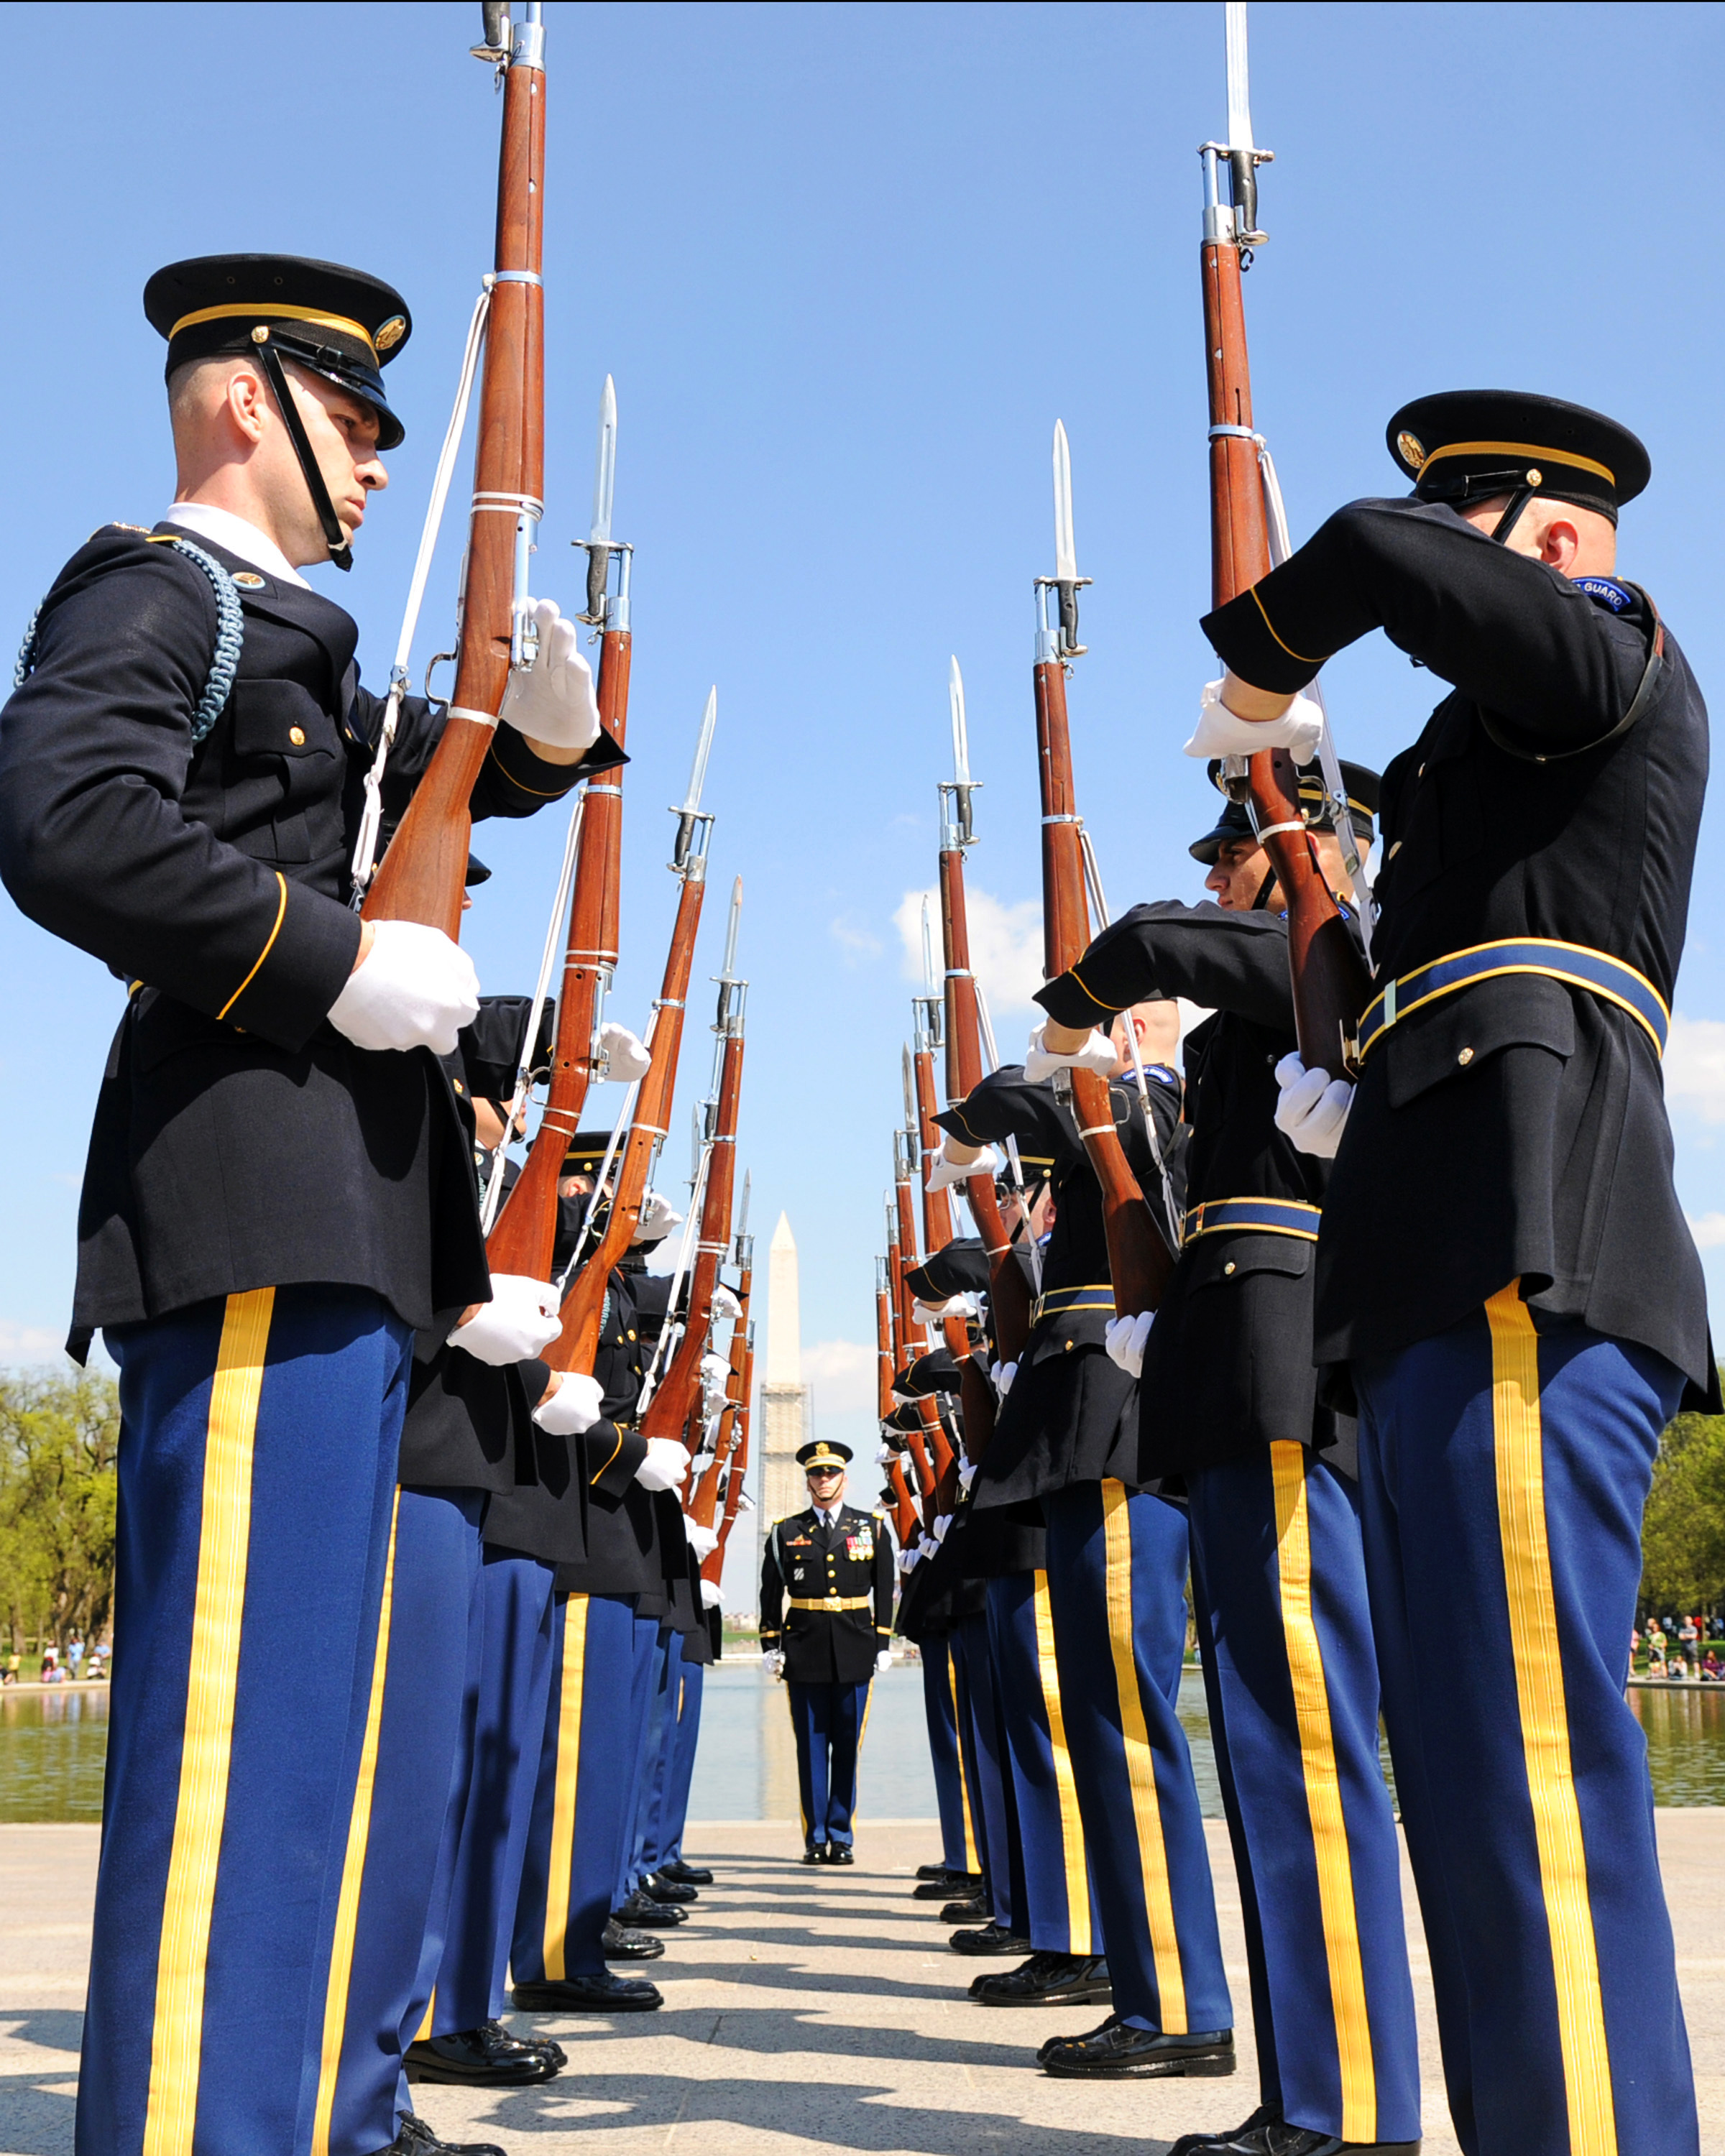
(1060, 641)
(694, 829)
(605, 609)
(732, 987)
(955, 831)
(1235, 223)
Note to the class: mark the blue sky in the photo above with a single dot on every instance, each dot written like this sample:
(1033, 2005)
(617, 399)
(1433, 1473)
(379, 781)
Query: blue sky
(847, 265)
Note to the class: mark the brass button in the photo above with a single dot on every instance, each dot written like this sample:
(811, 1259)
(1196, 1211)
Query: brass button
(1069, 1346)
(1464, 1057)
(458, 1084)
(296, 735)
(1228, 1267)
(631, 1333)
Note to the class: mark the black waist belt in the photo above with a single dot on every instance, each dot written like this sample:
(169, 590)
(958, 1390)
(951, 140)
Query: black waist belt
(1093, 1295)
(1573, 964)
(1269, 1216)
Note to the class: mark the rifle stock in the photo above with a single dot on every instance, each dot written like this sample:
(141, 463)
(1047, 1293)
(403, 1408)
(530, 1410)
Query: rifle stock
(670, 1406)
(422, 873)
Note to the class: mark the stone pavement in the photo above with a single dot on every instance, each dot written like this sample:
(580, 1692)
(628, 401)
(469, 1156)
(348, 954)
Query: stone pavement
(807, 2014)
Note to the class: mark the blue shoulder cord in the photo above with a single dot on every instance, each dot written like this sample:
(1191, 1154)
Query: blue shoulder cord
(230, 634)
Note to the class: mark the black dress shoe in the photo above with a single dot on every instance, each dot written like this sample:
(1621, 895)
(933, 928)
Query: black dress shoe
(939, 1889)
(992, 1939)
(1115, 2052)
(966, 1879)
(1214, 2144)
(618, 1943)
(972, 1910)
(604, 1994)
(840, 1852)
(687, 1875)
(650, 1915)
(416, 2138)
(1047, 1980)
(1275, 2139)
(816, 1853)
(658, 1888)
(486, 2057)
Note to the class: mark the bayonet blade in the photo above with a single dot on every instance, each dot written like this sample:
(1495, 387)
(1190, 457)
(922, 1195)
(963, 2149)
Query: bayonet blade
(961, 731)
(604, 484)
(928, 974)
(913, 1121)
(729, 975)
(1066, 553)
(743, 1216)
(1240, 101)
(703, 749)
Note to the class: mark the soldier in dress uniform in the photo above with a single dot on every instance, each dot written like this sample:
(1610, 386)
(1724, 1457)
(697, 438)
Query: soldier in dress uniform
(277, 1195)
(826, 1622)
(1504, 1273)
(1228, 1406)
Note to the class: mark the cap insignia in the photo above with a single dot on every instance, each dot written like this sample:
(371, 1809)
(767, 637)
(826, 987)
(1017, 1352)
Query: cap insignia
(387, 335)
(1410, 448)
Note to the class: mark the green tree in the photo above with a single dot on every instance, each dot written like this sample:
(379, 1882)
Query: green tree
(1683, 1533)
(58, 1436)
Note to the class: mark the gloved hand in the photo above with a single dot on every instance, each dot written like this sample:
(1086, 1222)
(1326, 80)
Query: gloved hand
(725, 1304)
(711, 1596)
(573, 1408)
(627, 1055)
(520, 1321)
(413, 988)
(1313, 1108)
(773, 1660)
(1096, 1055)
(666, 1463)
(883, 1661)
(1124, 1338)
(659, 1216)
(703, 1541)
(1003, 1373)
(931, 1313)
(945, 1173)
(967, 1474)
(941, 1525)
(715, 1372)
(909, 1559)
(1221, 733)
(885, 1455)
(552, 700)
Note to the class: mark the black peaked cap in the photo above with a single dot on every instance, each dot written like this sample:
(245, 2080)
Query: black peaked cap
(1470, 445)
(492, 1046)
(960, 1267)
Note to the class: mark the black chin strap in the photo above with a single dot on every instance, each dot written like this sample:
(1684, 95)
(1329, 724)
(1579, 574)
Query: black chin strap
(1512, 515)
(1264, 890)
(341, 553)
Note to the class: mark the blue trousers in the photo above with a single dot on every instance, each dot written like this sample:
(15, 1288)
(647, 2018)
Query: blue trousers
(1116, 1572)
(655, 1758)
(652, 1647)
(579, 1812)
(1059, 1915)
(256, 1489)
(940, 1707)
(680, 1778)
(1503, 1471)
(420, 1727)
(1284, 1625)
(996, 1812)
(486, 1832)
(828, 1719)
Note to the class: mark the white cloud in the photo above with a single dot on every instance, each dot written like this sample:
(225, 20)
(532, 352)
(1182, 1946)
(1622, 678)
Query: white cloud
(858, 943)
(1708, 1231)
(30, 1343)
(1005, 948)
(1694, 1066)
(843, 1376)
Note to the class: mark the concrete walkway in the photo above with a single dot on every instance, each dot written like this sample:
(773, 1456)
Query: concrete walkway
(805, 2011)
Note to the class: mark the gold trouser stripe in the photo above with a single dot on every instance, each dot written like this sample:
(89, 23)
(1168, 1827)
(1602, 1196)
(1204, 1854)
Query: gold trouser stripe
(1323, 1796)
(1071, 1822)
(219, 1609)
(797, 1734)
(560, 1861)
(353, 1867)
(856, 1780)
(1141, 1762)
(1519, 1444)
(424, 2029)
(970, 1858)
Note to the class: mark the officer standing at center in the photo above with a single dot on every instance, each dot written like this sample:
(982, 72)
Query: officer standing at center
(831, 1567)
(1505, 1278)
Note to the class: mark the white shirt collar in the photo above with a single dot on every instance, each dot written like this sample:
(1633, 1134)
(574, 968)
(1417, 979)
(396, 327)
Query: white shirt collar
(237, 536)
(825, 1517)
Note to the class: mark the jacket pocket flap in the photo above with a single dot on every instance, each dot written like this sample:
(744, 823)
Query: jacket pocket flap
(1232, 1254)
(1454, 1034)
(1065, 1331)
(278, 718)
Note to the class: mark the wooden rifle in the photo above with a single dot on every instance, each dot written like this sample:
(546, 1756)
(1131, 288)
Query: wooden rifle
(678, 1395)
(584, 1304)
(906, 1516)
(1330, 985)
(524, 1237)
(898, 1306)
(937, 1206)
(714, 1566)
(705, 1503)
(422, 873)
(1140, 1262)
(907, 1161)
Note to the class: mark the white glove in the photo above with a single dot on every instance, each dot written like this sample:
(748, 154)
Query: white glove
(1222, 732)
(885, 1455)
(1124, 1338)
(413, 988)
(573, 1408)
(932, 1313)
(659, 1216)
(1097, 1055)
(726, 1305)
(703, 1541)
(909, 1559)
(773, 1660)
(945, 1173)
(883, 1661)
(666, 1463)
(1003, 1373)
(967, 1474)
(941, 1525)
(715, 1372)
(627, 1055)
(1313, 1107)
(520, 1321)
(552, 700)
(711, 1597)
